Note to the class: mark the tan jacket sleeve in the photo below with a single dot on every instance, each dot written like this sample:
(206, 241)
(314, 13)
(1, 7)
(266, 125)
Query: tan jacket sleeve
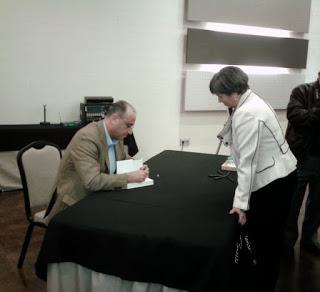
(90, 159)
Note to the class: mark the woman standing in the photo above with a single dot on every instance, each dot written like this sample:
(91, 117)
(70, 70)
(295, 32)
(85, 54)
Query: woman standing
(265, 169)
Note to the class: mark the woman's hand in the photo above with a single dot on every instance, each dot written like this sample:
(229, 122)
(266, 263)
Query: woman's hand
(242, 217)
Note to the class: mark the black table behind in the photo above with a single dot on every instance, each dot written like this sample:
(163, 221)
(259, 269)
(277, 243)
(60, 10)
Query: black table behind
(15, 137)
(177, 232)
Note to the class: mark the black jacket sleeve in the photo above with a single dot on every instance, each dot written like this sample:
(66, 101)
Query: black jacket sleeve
(303, 110)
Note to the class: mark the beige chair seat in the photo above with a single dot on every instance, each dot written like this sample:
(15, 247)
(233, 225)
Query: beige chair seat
(39, 216)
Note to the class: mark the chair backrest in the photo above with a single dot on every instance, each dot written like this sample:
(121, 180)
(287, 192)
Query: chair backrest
(38, 164)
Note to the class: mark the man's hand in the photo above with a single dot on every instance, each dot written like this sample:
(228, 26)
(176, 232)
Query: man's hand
(146, 168)
(242, 217)
(138, 175)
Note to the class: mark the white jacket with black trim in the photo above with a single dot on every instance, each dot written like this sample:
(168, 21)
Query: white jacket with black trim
(259, 148)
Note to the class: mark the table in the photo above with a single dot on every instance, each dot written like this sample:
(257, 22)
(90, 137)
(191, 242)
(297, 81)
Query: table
(18, 136)
(14, 137)
(177, 232)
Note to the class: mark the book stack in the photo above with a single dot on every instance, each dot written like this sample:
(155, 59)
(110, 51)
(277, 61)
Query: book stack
(229, 165)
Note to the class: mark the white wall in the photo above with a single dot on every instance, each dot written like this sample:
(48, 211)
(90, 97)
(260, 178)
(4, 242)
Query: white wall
(55, 52)
(313, 61)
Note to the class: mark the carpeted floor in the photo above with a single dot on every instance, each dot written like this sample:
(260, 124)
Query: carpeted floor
(300, 273)
(13, 225)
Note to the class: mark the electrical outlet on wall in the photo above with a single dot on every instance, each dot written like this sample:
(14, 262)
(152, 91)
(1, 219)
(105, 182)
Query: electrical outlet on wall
(184, 141)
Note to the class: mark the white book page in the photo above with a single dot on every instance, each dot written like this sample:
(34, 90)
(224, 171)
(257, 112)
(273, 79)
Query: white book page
(124, 166)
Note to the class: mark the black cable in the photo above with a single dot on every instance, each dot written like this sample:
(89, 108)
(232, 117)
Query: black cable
(221, 174)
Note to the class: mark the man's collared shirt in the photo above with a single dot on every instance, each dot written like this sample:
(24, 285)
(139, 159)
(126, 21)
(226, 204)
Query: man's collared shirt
(111, 150)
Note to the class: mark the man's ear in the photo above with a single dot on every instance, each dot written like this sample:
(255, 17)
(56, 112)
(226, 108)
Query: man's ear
(114, 119)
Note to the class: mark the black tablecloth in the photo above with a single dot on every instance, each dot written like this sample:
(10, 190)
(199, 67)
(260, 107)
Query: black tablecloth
(177, 232)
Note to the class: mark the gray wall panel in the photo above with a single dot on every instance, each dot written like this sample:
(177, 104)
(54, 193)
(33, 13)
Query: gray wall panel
(211, 47)
(290, 15)
(275, 89)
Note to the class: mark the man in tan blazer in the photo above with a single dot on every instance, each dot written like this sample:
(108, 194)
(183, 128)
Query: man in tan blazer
(89, 162)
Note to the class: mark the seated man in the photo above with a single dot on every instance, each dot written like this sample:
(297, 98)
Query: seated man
(89, 162)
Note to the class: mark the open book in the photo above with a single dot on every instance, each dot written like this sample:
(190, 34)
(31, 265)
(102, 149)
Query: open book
(124, 166)
(229, 165)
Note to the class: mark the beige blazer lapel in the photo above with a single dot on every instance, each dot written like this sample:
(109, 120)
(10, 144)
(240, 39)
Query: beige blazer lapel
(104, 145)
(119, 151)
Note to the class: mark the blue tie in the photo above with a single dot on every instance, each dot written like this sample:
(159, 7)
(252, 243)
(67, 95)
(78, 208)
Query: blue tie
(112, 158)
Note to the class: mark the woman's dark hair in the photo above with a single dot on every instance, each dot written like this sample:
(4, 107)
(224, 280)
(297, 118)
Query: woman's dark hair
(229, 80)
